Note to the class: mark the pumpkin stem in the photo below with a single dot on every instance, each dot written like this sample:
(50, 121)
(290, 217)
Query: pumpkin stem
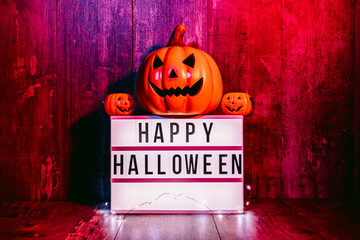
(176, 38)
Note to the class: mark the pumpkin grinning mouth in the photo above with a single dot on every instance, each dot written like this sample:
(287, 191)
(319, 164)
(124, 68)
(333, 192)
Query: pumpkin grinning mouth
(192, 91)
(234, 110)
(124, 110)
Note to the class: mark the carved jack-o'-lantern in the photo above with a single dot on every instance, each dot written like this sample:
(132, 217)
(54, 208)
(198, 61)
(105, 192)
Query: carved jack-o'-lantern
(237, 103)
(178, 80)
(119, 104)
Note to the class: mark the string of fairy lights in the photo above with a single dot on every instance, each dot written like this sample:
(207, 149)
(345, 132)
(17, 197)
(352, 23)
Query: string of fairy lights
(201, 204)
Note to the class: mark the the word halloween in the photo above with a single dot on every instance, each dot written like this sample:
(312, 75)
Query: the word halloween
(175, 164)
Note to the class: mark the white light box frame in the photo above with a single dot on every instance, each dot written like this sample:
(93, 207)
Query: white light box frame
(168, 165)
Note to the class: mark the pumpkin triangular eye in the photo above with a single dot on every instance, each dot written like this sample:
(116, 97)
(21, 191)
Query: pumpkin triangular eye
(157, 62)
(190, 61)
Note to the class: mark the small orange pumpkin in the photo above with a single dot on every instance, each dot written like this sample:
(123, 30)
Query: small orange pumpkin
(119, 104)
(178, 80)
(237, 103)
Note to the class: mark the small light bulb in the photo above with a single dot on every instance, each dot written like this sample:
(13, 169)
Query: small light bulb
(188, 75)
(157, 75)
(247, 203)
(248, 187)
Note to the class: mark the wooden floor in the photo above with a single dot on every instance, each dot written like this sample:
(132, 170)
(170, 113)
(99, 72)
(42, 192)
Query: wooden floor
(263, 219)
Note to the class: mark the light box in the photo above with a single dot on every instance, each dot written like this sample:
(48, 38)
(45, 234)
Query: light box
(167, 165)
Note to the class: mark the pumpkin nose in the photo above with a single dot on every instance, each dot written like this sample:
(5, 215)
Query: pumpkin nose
(173, 74)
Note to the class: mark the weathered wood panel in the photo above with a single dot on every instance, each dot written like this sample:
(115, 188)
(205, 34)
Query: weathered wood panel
(95, 59)
(29, 154)
(263, 129)
(8, 90)
(357, 99)
(317, 98)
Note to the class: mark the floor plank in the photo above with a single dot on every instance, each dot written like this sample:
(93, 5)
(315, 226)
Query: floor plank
(268, 219)
(263, 219)
(43, 220)
(334, 219)
(168, 227)
(102, 225)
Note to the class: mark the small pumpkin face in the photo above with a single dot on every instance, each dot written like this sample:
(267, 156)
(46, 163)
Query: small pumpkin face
(119, 104)
(237, 103)
(178, 80)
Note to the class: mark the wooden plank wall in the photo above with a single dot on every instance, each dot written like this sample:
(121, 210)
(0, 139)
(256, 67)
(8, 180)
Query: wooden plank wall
(318, 82)
(298, 59)
(29, 163)
(357, 99)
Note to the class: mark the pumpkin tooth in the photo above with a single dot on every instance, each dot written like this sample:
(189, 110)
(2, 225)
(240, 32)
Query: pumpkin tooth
(124, 110)
(185, 91)
(234, 110)
(178, 91)
(192, 91)
(170, 92)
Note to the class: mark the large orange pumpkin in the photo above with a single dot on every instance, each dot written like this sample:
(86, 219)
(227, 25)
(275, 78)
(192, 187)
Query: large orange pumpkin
(119, 104)
(237, 103)
(178, 80)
